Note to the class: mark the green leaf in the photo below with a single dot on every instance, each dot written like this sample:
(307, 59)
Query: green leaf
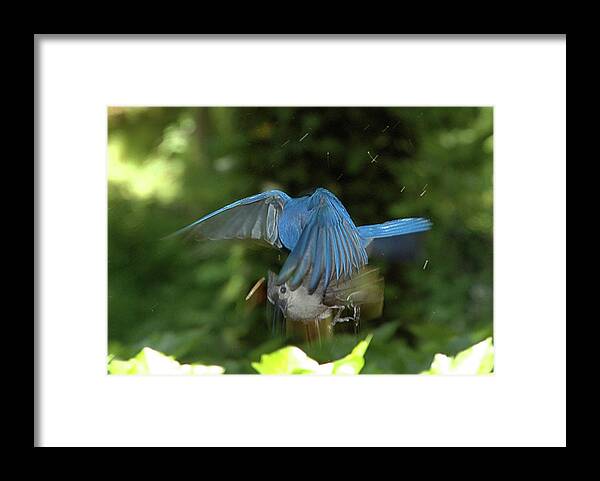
(355, 361)
(478, 359)
(292, 360)
(288, 360)
(149, 361)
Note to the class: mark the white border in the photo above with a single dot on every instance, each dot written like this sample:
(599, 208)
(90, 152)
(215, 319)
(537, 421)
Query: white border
(523, 404)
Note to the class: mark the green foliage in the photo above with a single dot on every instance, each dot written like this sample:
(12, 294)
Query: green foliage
(169, 166)
(292, 360)
(149, 361)
(478, 359)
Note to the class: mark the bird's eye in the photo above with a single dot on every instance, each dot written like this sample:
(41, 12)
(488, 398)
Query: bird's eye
(282, 289)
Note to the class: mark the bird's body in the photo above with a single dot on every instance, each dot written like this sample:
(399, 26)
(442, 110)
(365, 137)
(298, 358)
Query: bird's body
(324, 243)
(312, 316)
(301, 305)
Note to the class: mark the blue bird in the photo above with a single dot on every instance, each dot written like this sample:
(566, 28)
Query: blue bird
(324, 244)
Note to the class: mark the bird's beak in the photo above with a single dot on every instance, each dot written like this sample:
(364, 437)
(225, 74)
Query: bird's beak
(278, 306)
(278, 320)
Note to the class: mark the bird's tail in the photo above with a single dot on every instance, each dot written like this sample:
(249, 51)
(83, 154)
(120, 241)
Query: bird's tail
(410, 225)
(312, 331)
(395, 240)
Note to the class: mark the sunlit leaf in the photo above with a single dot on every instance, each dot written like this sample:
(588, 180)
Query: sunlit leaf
(149, 361)
(353, 362)
(292, 360)
(478, 359)
(288, 360)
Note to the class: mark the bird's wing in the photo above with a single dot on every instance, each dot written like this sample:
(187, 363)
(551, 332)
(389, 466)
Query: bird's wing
(328, 248)
(254, 217)
(364, 290)
(365, 287)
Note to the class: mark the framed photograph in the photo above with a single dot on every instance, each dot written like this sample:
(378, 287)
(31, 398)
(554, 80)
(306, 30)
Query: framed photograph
(300, 240)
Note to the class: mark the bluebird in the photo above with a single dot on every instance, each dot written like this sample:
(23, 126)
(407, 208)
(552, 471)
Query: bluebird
(325, 246)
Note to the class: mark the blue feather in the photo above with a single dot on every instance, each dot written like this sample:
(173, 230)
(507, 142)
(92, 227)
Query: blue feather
(325, 245)
(410, 225)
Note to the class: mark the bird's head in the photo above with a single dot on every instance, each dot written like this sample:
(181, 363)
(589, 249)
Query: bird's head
(278, 295)
(295, 304)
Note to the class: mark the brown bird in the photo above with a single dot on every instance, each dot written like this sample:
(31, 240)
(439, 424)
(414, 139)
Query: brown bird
(313, 316)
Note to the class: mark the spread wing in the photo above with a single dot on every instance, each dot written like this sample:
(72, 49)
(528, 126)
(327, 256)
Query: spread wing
(255, 217)
(329, 247)
(364, 289)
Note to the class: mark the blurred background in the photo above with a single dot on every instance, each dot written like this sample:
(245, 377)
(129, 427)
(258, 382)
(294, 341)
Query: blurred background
(170, 166)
